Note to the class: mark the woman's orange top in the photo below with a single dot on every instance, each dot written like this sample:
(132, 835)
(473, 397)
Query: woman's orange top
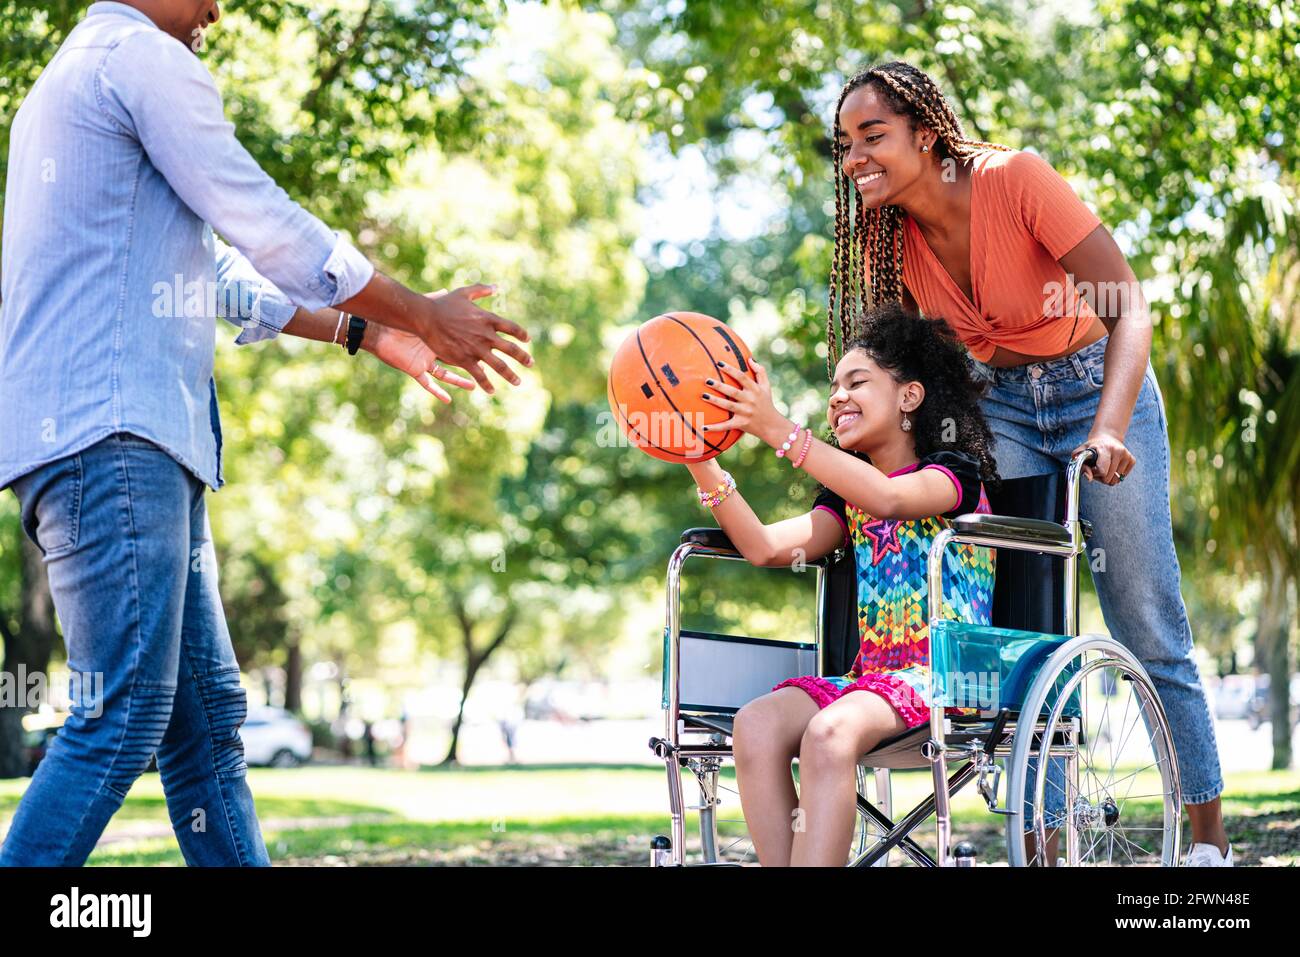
(1023, 218)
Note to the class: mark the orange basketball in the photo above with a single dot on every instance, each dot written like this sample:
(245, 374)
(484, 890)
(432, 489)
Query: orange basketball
(657, 378)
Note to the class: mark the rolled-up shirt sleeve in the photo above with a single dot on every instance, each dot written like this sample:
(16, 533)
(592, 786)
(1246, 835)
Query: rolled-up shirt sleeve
(247, 299)
(155, 89)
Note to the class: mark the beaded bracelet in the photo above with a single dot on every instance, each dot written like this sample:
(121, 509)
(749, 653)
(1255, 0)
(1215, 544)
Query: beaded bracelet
(790, 440)
(803, 453)
(726, 478)
(720, 494)
(714, 502)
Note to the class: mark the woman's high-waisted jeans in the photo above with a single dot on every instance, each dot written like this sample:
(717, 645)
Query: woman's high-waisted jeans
(1039, 414)
(125, 535)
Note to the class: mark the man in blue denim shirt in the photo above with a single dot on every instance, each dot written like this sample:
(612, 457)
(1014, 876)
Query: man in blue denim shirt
(121, 166)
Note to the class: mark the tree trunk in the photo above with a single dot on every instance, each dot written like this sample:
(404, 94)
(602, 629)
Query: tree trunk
(472, 665)
(474, 661)
(12, 764)
(1275, 642)
(28, 651)
(293, 678)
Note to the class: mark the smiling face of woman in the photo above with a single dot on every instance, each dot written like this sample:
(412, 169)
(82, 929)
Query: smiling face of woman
(881, 152)
(866, 402)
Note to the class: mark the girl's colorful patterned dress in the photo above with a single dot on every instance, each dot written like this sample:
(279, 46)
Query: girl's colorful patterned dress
(893, 593)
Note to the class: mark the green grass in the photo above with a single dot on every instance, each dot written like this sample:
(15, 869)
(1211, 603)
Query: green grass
(558, 815)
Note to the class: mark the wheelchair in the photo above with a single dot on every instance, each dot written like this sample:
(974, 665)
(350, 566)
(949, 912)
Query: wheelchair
(1059, 713)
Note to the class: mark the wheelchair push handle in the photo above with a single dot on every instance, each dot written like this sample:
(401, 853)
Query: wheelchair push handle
(1079, 461)
(1073, 477)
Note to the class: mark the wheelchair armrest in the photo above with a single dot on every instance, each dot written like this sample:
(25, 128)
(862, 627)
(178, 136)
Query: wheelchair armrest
(1025, 531)
(716, 538)
(709, 538)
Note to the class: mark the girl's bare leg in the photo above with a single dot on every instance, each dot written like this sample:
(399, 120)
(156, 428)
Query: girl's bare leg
(828, 755)
(765, 740)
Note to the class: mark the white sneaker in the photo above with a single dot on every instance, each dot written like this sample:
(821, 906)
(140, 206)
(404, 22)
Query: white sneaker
(1207, 855)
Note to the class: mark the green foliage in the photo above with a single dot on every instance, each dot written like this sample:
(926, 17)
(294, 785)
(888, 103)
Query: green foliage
(384, 78)
(1176, 122)
(509, 142)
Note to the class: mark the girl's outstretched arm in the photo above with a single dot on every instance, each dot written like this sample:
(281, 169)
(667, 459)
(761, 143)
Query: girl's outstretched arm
(914, 495)
(804, 538)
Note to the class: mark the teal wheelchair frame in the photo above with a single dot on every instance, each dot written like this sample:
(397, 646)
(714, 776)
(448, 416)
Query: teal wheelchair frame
(1045, 692)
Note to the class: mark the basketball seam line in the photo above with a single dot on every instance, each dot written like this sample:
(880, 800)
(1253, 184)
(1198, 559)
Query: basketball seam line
(667, 398)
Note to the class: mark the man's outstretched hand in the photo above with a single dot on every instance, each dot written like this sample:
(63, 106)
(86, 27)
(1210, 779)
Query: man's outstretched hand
(406, 352)
(451, 324)
(460, 333)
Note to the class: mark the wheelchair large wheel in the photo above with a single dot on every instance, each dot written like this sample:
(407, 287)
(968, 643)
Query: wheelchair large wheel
(1110, 795)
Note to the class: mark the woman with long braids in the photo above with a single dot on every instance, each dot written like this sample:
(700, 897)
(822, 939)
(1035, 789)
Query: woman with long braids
(997, 244)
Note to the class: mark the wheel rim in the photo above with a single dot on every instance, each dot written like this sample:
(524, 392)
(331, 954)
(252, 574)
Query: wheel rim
(1121, 798)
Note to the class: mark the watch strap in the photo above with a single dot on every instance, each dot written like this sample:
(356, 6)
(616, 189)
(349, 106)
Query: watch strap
(356, 330)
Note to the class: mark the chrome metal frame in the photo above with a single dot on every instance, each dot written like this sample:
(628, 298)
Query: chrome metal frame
(1070, 626)
(676, 752)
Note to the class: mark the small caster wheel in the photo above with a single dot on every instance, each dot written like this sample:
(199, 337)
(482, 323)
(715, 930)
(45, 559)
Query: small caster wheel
(661, 851)
(963, 855)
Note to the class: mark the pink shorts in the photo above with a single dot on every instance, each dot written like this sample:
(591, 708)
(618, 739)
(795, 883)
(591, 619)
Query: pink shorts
(902, 697)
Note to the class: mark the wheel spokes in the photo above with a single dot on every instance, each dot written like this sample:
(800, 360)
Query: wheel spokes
(1100, 804)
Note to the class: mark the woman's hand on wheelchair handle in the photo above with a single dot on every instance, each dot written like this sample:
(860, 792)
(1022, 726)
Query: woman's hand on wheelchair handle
(750, 404)
(1114, 460)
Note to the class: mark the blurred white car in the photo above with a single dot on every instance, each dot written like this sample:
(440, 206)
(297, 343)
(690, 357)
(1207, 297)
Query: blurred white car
(274, 737)
(1234, 695)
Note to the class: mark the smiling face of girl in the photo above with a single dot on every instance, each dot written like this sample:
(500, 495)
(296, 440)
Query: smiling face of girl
(867, 403)
(881, 152)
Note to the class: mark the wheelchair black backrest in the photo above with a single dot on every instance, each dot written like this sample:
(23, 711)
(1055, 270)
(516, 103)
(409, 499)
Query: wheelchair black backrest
(1028, 590)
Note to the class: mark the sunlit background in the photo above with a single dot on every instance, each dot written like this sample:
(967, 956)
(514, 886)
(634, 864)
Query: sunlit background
(412, 587)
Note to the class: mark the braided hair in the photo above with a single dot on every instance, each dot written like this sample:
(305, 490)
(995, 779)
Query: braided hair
(912, 348)
(874, 237)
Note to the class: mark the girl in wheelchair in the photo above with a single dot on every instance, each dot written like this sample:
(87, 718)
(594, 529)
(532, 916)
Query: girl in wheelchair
(913, 452)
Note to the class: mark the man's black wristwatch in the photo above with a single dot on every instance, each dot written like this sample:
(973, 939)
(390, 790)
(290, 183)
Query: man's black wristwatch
(356, 329)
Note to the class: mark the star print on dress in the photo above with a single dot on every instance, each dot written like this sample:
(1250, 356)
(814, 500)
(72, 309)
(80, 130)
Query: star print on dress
(893, 592)
(891, 564)
(883, 533)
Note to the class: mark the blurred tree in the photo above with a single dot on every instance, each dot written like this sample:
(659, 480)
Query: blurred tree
(458, 145)
(1189, 136)
(376, 504)
(330, 98)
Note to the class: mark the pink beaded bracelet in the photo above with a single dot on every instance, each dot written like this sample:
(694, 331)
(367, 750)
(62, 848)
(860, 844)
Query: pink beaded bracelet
(788, 443)
(803, 453)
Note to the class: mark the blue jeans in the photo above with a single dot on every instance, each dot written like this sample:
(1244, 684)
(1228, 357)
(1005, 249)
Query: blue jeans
(1039, 414)
(125, 536)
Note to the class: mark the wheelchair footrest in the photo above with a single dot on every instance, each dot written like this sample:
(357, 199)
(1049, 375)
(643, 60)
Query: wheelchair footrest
(724, 723)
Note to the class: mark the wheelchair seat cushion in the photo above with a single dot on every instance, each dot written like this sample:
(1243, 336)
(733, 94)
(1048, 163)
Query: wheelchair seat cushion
(894, 687)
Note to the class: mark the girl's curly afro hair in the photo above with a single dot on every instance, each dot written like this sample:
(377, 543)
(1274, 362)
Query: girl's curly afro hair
(911, 347)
